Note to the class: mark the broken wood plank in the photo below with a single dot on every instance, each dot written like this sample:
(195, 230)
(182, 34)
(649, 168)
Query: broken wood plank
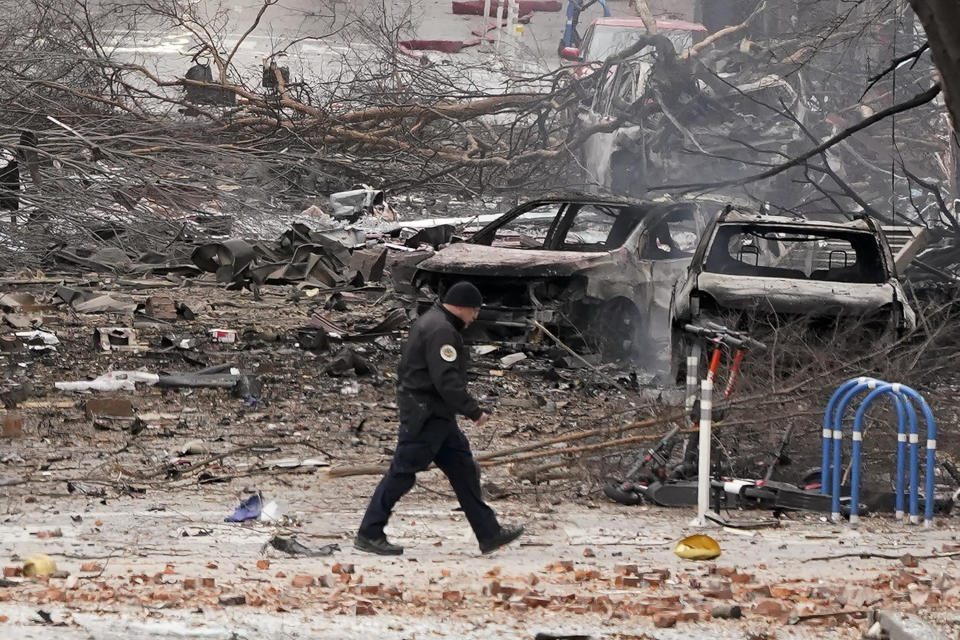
(920, 237)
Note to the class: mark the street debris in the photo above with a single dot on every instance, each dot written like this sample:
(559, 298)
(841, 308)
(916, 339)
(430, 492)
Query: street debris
(38, 340)
(39, 565)
(116, 339)
(350, 205)
(697, 547)
(112, 381)
(210, 306)
(581, 284)
(249, 509)
(292, 547)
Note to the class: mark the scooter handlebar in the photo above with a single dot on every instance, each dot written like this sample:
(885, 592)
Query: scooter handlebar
(714, 331)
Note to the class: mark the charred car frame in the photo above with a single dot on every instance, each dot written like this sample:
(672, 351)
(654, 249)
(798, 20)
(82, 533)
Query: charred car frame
(598, 271)
(769, 270)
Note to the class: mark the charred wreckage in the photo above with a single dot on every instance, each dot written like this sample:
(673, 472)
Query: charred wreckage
(598, 271)
(616, 277)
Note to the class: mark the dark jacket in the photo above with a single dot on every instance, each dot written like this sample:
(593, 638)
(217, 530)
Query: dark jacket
(432, 378)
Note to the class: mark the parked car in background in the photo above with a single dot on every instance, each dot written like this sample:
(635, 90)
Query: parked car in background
(597, 271)
(761, 271)
(607, 36)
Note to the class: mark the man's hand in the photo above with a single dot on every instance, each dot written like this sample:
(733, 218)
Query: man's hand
(482, 420)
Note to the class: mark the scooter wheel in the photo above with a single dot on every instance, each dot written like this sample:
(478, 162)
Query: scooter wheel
(617, 492)
(810, 477)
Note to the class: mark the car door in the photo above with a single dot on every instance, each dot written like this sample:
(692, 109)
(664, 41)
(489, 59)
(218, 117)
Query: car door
(664, 249)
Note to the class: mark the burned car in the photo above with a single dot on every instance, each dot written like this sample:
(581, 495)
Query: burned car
(767, 270)
(596, 271)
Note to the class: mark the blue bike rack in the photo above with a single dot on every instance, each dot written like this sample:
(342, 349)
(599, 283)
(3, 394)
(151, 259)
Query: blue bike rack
(903, 398)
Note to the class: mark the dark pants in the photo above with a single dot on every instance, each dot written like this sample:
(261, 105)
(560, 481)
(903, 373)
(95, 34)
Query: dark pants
(439, 441)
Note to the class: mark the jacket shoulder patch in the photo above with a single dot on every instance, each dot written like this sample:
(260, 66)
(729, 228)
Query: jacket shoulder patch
(448, 353)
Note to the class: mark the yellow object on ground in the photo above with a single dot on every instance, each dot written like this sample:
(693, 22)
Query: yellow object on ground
(698, 547)
(39, 565)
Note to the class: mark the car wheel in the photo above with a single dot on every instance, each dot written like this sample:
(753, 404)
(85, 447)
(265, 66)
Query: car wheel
(678, 356)
(619, 330)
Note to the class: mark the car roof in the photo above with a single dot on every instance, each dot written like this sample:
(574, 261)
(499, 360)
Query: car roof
(594, 198)
(739, 217)
(665, 24)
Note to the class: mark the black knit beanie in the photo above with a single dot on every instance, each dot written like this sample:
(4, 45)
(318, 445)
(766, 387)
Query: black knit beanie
(463, 294)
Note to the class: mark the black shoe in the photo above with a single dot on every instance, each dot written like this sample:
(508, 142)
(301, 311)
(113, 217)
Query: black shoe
(381, 546)
(502, 539)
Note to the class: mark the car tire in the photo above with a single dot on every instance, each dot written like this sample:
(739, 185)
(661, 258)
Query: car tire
(619, 330)
(678, 356)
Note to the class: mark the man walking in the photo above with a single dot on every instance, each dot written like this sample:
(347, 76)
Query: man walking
(431, 392)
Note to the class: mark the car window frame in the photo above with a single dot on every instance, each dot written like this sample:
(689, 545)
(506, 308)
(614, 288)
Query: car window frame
(652, 220)
(487, 234)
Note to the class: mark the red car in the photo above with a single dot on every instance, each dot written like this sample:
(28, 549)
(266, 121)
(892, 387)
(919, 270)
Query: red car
(606, 36)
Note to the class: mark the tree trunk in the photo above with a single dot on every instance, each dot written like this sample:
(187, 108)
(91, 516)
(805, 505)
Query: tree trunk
(940, 19)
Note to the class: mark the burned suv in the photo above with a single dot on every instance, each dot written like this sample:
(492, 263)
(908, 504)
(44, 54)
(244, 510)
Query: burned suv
(595, 271)
(765, 269)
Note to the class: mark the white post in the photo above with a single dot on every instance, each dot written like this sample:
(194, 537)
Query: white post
(703, 466)
(693, 373)
(501, 10)
(486, 23)
(513, 18)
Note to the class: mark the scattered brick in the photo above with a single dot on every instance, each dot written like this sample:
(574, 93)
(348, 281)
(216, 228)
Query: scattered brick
(303, 581)
(754, 591)
(688, 615)
(653, 579)
(452, 596)
(208, 583)
(909, 561)
(263, 564)
(535, 601)
(56, 595)
(782, 592)
(719, 589)
(771, 608)
(664, 620)
(393, 592)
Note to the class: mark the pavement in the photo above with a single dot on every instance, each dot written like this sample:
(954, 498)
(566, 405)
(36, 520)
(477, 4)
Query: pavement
(585, 566)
